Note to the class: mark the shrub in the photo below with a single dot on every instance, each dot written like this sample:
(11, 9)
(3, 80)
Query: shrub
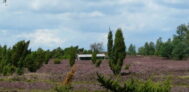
(57, 61)
(35, 60)
(62, 88)
(127, 66)
(94, 57)
(72, 55)
(134, 85)
(19, 71)
(98, 63)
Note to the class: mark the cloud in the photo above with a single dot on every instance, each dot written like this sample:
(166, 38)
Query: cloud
(43, 38)
(82, 22)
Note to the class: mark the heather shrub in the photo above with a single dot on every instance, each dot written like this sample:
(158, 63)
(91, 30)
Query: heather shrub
(57, 61)
(134, 85)
(127, 66)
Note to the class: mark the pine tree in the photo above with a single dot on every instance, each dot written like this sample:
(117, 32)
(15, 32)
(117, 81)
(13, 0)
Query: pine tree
(146, 46)
(132, 50)
(118, 54)
(158, 46)
(110, 43)
(151, 48)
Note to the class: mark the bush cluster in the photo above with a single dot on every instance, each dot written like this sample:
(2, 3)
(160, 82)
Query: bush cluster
(134, 85)
(17, 58)
(57, 61)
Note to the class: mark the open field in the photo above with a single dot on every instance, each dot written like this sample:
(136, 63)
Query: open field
(142, 67)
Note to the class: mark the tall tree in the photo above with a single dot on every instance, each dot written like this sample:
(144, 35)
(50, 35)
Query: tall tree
(151, 48)
(180, 42)
(158, 46)
(110, 43)
(19, 53)
(146, 46)
(72, 55)
(166, 49)
(119, 53)
(132, 50)
(141, 51)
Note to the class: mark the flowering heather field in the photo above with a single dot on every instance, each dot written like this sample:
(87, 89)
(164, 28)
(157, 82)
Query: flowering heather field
(45, 79)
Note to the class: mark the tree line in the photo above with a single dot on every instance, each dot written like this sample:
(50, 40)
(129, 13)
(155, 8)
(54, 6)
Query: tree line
(19, 58)
(176, 47)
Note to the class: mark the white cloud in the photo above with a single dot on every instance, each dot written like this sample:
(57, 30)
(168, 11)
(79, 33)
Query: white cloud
(81, 22)
(43, 38)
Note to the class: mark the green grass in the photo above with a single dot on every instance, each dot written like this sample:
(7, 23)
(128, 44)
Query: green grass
(184, 77)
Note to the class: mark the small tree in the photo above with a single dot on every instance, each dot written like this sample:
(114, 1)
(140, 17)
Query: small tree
(94, 57)
(19, 53)
(72, 55)
(118, 55)
(35, 60)
(110, 43)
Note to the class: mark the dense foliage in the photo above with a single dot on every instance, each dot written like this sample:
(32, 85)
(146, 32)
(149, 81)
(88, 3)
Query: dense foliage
(36, 59)
(147, 49)
(110, 43)
(18, 58)
(13, 59)
(131, 50)
(134, 85)
(57, 61)
(94, 58)
(175, 48)
(118, 53)
(72, 55)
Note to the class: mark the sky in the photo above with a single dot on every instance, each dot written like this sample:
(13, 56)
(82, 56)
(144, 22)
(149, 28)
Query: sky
(49, 24)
